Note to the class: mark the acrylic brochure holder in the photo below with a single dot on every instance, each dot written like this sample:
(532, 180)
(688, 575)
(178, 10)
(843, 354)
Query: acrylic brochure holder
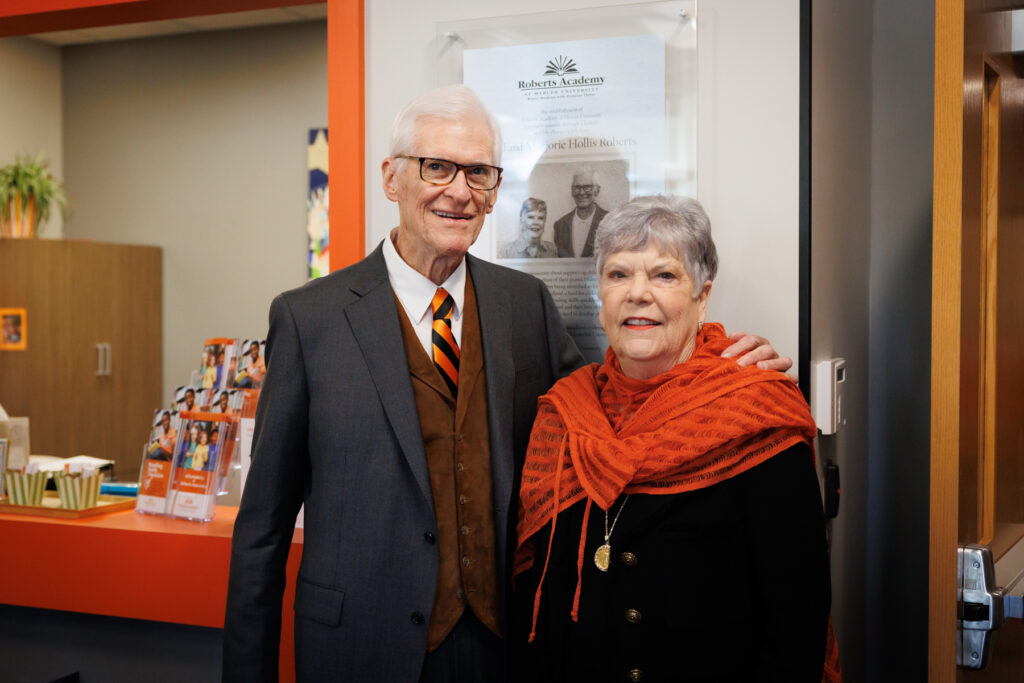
(194, 445)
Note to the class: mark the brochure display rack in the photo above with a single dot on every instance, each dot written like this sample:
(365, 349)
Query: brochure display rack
(194, 445)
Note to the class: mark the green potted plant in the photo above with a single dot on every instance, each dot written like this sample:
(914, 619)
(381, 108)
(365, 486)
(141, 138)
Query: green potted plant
(28, 191)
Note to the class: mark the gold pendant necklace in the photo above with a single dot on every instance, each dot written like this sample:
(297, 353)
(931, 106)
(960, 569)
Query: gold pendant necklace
(603, 555)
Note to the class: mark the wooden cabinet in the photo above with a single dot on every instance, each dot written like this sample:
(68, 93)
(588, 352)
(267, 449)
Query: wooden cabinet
(78, 295)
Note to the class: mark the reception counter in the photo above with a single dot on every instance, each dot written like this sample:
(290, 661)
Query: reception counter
(132, 566)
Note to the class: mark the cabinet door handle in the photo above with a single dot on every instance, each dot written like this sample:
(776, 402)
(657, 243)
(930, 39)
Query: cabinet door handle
(103, 362)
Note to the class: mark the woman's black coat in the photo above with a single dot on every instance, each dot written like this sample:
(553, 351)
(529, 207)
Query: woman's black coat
(726, 583)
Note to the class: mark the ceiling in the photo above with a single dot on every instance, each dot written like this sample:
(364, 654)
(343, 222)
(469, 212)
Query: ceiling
(212, 22)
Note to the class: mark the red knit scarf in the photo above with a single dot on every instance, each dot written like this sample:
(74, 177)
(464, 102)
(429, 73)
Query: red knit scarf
(703, 422)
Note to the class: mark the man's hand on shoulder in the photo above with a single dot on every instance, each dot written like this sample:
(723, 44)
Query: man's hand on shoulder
(749, 349)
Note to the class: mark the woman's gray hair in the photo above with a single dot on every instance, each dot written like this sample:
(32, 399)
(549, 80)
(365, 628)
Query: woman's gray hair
(456, 103)
(678, 225)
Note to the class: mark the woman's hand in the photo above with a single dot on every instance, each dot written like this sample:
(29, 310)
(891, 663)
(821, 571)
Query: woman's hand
(749, 349)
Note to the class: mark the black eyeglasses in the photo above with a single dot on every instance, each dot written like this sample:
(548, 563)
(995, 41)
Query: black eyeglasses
(443, 172)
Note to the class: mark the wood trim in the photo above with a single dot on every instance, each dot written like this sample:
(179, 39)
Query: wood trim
(947, 206)
(22, 17)
(346, 131)
(987, 324)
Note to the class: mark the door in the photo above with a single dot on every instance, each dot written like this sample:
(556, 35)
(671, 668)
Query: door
(34, 275)
(977, 432)
(116, 315)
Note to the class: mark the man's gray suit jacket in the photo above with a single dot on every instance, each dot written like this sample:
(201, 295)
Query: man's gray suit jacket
(563, 233)
(337, 429)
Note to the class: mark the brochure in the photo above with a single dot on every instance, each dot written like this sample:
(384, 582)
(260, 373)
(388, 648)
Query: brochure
(218, 359)
(253, 365)
(155, 474)
(202, 453)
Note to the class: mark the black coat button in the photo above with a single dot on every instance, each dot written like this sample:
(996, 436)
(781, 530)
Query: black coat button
(628, 559)
(417, 618)
(430, 537)
(633, 616)
(635, 675)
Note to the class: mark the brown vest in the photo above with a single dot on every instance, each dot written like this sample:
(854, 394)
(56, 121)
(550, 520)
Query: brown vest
(455, 436)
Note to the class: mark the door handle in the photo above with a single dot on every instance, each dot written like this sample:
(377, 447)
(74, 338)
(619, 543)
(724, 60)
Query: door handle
(102, 359)
(982, 607)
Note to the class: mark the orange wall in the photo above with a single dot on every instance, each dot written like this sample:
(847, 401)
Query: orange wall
(346, 128)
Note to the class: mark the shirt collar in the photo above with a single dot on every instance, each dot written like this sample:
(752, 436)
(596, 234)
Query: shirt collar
(414, 290)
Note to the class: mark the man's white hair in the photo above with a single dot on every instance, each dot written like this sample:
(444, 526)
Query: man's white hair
(447, 103)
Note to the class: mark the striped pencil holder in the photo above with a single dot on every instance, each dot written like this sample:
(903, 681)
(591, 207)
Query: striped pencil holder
(25, 489)
(77, 492)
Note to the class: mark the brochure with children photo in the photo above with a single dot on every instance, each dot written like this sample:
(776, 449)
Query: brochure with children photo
(155, 474)
(190, 398)
(205, 442)
(252, 366)
(218, 359)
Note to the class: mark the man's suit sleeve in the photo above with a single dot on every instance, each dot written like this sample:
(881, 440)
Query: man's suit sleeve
(266, 516)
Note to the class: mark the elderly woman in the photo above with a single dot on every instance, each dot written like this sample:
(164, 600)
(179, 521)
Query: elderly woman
(529, 244)
(670, 525)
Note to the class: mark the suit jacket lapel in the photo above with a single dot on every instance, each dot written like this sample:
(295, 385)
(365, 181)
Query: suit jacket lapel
(588, 248)
(373, 319)
(496, 313)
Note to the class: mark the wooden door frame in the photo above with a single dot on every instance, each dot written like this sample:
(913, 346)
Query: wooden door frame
(947, 212)
(963, 30)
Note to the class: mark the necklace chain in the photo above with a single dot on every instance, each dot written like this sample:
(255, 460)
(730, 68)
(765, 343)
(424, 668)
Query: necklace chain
(607, 531)
(603, 555)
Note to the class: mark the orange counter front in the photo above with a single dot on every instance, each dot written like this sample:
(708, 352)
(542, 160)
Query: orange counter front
(116, 565)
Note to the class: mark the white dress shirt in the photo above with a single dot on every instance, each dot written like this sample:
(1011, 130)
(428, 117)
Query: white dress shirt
(580, 232)
(415, 292)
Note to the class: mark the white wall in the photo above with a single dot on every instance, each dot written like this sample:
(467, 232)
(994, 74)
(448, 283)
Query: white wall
(748, 138)
(30, 119)
(197, 143)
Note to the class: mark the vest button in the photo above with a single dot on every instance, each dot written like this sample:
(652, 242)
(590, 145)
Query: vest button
(460, 467)
(464, 530)
(417, 618)
(635, 675)
(628, 559)
(465, 561)
(460, 594)
(430, 537)
(633, 616)
(463, 499)
(458, 437)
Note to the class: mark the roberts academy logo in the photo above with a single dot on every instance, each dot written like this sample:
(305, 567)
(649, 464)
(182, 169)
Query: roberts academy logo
(561, 66)
(561, 74)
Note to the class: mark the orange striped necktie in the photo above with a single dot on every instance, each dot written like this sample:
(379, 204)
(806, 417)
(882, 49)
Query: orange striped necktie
(445, 349)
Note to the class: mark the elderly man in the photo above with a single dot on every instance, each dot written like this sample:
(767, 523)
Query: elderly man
(530, 243)
(574, 232)
(379, 413)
